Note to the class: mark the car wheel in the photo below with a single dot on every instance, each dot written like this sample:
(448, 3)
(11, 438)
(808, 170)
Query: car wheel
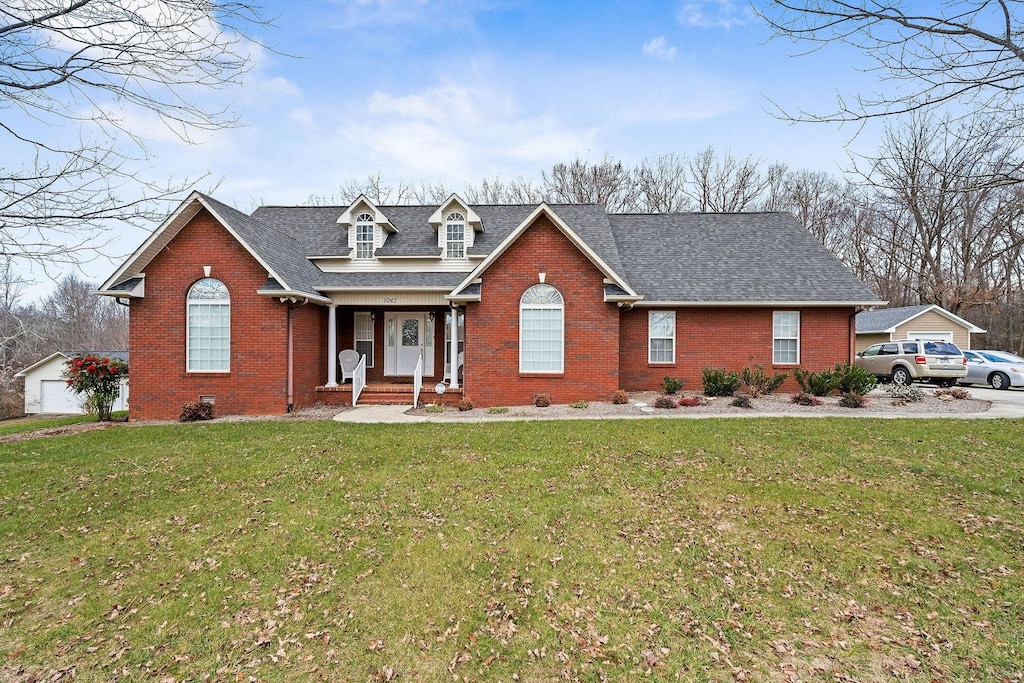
(901, 375)
(946, 383)
(999, 380)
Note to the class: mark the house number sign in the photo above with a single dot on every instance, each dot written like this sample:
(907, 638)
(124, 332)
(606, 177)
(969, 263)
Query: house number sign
(391, 300)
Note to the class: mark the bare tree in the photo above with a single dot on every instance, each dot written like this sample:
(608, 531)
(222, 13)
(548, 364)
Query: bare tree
(727, 184)
(659, 186)
(73, 76)
(969, 52)
(581, 182)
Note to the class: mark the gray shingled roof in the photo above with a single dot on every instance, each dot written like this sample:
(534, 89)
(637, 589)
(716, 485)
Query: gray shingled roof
(885, 318)
(119, 355)
(391, 279)
(731, 258)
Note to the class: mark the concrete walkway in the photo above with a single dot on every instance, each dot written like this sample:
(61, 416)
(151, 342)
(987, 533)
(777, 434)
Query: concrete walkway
(1005, 404)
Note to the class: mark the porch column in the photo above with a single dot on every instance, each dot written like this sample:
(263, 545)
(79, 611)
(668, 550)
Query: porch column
(453, 350)
(332, 345)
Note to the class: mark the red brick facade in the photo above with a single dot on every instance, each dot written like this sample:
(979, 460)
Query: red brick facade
(731, 338)
(591, 362)
(257, 381)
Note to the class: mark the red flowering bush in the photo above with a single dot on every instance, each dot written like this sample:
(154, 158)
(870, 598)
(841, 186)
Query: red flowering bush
(99, 378)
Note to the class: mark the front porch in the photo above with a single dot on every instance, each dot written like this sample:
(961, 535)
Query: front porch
(387, 393)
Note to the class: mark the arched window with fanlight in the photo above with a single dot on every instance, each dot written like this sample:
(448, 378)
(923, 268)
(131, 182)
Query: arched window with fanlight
(209, 327)
(365, 232)
(541, 330)
(455, 235)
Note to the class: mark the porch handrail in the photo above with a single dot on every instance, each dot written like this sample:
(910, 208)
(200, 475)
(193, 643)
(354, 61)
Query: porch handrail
(358, 379)
(417, 382)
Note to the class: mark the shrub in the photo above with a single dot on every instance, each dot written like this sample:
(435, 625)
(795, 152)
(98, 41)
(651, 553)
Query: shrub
(821, 383)
(689, 402)
(804, 399)
(854, 379)
(742, 401)
(196, 411)
(907, 393)
(958, 393)
(542, 400)
(465, 404)
(759, 383)
(851, 399)
(720, 382)
(99, 378)
(579, 405)
(434, 408)
(620, 398)
(671, 385)
(665, 402)
(497, 410)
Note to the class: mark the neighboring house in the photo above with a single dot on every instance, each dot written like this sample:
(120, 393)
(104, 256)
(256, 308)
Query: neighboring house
(46, 390)
(251, 311)
(913, 322)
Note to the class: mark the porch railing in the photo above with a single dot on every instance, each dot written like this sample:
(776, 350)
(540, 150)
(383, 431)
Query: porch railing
(417, 383)
(358, 379)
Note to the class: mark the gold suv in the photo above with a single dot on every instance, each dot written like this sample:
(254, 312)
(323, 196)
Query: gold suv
(903, 362)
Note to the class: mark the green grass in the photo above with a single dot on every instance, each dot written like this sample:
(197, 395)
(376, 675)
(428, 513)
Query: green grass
(20, 425)
(701, 550)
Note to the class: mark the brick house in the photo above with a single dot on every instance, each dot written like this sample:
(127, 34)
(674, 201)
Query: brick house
(252, 311)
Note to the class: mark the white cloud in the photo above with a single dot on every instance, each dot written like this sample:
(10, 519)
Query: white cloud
(714, 14)
(660, 49)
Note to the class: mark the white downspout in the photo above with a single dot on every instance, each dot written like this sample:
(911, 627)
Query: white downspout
(453, 350)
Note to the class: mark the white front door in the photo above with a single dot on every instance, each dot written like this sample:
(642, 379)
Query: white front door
(410, 343)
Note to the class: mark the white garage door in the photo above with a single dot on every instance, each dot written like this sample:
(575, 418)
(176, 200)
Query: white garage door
(944, 336)
(56, 398)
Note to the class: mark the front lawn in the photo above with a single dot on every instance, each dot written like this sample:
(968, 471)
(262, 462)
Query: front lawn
(725, 550)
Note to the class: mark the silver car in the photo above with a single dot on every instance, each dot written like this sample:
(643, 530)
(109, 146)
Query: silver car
(1000, 369)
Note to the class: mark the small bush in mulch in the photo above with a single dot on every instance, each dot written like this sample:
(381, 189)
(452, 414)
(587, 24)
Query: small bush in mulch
(579, 405)
(542, 400)
(690, 402)
(465, 404)
(959, 393)
(720, 382)
(665, 402)
(907, 393)
(433, 408)
(196, 411)
(759, 382)
(497, 410)
(852, 400)
(742, 401)
(671, 385)
(802, 398)
(620, 398)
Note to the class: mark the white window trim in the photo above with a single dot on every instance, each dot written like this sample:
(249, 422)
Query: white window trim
(454, 219)
(561, 321)
(355, 335)
(797, 338)
(650, 338)
(189, 302)
(360, 222)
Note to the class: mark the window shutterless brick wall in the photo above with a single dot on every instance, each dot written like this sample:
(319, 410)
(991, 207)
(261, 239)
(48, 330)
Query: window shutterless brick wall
(591, 362)
(257, 382)
(732, 338)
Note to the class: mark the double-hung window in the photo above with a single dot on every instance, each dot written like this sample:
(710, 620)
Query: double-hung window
(209, 327)
(541, 330)
(455, 235)
(364, 336)
(786, 337)
(661, 336)
(364, 227)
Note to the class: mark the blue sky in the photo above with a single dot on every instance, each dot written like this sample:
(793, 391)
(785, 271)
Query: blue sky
(454, 91)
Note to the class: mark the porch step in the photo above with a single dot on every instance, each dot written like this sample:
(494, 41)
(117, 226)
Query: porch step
(379, 393)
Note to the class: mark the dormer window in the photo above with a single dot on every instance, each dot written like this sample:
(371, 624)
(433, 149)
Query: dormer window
(364, 227)
(455, 235)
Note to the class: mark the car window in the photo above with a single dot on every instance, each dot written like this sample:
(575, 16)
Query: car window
(871, 350)
(889, 350)
(941, 349)
(910, 347)
(971, 355)
(1001, 357)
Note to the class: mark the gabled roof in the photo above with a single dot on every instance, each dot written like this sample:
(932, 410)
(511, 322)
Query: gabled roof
(888, 319)
(732, 259)
(280, 254)
(120, 355)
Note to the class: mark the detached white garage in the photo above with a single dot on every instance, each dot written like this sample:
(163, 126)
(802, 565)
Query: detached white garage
(47, 392)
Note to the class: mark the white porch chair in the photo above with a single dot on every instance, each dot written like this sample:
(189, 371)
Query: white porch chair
(349, 359)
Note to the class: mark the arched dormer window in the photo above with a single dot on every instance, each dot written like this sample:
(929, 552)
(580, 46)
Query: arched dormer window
(365, 228)
(541, 330)
(208, 348)
(455, 235)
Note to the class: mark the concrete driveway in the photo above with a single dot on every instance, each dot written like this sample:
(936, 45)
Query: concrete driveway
(1005, 403)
